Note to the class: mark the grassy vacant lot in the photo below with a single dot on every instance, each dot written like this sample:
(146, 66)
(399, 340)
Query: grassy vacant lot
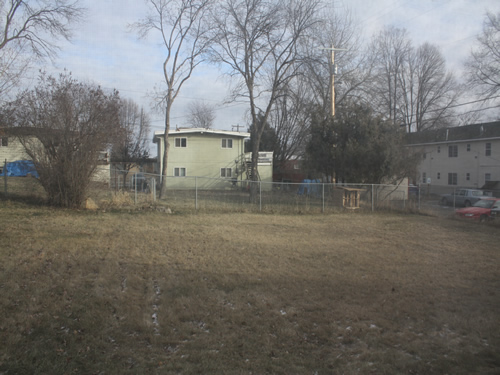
(150, 293)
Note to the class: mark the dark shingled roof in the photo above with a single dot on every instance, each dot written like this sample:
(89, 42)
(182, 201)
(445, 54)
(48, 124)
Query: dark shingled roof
(459, 133)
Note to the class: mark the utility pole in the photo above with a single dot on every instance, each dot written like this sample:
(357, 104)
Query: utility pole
(333, 72)
(237, 127)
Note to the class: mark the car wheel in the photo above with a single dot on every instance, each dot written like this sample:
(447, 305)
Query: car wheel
(483, 218)
(444, 202)
(467, 204)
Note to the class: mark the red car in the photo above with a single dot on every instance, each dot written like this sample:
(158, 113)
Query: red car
(481, 210)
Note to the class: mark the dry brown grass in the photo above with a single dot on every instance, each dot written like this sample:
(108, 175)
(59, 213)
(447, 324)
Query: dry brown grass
(151, 293)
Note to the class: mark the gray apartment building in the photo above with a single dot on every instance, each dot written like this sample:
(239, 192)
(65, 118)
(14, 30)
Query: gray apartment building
(465, 156)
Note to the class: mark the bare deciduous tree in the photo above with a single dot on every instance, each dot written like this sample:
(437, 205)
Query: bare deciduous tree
(390, 50)
(28, 30)
(483, 65)
(257, 42)
(201, 115)
(65, 126)
(131, 147)
(290, 118)
(180, 24)
(411, 87)
(336, 29)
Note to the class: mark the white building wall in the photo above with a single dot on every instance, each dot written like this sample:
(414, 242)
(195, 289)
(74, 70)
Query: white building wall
(472, 165)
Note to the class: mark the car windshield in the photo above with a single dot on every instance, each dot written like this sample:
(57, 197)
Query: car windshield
(484, 203)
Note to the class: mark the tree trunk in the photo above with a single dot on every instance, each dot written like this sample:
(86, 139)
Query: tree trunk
(166, 144)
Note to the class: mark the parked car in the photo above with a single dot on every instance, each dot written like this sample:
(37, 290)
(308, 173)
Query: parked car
(481, 210)
(463, 197)
(495, 213)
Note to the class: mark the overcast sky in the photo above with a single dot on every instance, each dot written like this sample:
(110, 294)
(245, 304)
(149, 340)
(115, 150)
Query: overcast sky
(104, 51)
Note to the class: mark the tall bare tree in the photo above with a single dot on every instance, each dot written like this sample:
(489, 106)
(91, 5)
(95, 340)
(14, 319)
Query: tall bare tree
(132, 143)
(257, 43)
(336, 29)
(428, 91)
(29, 30)
(483, 65)
(181, 26)
(201, 115)
(390, 50)
(290, 118)
(411, 86)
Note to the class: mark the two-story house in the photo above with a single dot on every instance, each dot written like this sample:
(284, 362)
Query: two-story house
(215, 155)
(466, 156)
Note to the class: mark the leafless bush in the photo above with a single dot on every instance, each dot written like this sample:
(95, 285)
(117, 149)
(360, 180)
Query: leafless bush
(65, 127)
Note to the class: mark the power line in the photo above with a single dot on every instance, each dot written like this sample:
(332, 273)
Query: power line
(462, 104)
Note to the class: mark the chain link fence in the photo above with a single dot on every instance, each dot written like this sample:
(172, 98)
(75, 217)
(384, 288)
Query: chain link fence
(232, 195)
(216, 194)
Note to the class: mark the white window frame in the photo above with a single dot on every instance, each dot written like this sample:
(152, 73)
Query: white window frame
(487, 149)
(453, 177)
(178, 170)
(487, 177)
(453, 151)
(4, 140)
(227, 143)
(180, 142)
(224, 174)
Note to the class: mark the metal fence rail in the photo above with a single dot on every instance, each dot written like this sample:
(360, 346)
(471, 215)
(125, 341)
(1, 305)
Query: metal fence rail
(203, 193)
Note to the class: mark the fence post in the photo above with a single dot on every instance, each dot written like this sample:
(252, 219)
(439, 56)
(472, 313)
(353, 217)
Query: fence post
(260, 196)
(323, 198)
(153, 189)
(5, 177)
(373, 201)
(135, 184)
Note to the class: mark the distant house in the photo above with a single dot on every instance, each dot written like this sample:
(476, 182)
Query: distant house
(12, 150)
(290, 171)
(216, 155)
(466, 156)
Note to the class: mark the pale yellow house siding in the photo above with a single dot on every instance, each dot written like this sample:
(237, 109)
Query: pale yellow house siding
(201, 155)
(13, 151)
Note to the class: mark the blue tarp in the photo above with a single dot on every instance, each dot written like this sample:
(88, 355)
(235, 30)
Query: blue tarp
(309, 187)
(20, 168)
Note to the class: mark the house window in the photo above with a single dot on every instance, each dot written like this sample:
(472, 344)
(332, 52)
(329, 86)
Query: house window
(452, 179)
(439, 149)
(468, 147)
(439, 176)
(424, 156)
(180, 142)
(179, 172)
(4, 142)
(487, 177)
(487, 150)
(227, 143)
(453, 151)
(424, 178)
(467, 176)
(226, 172)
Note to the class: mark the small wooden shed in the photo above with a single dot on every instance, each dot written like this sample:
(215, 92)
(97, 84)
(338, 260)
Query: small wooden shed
(351, 198)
